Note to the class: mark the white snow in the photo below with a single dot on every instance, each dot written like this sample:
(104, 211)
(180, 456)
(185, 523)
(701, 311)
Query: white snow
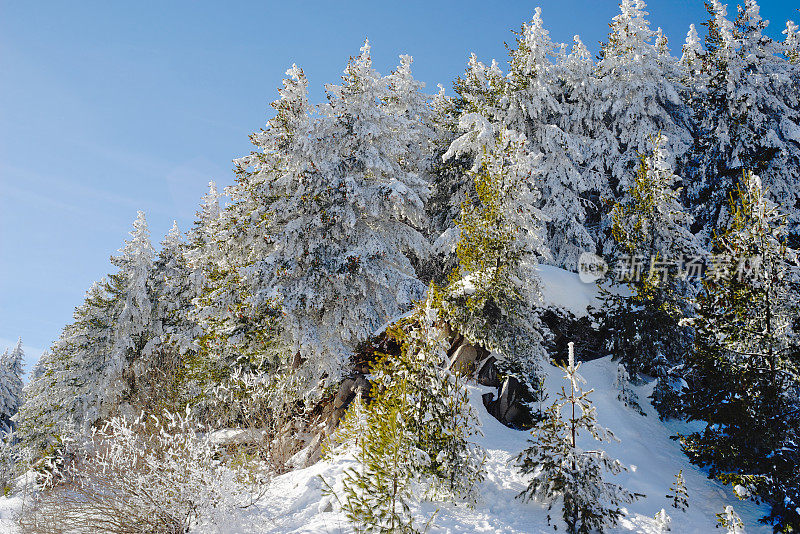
(9, 508)
(564, 289)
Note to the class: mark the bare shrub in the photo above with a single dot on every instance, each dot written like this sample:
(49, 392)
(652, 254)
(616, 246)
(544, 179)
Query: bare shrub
(262, 414)
(149, 475)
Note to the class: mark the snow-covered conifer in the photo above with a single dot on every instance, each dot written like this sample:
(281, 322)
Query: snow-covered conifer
(136, 331)
(342, 197)
(625, 394)
(663, 521)
(730, 521)
(540, 109)
(562, 471)
(745, 117)
(90, 369)
(11, 394)
(679, 496)
(66, 395)
(792, 42)
(491, 296)
(417, 429)
(742, 370)
(691, 60)
(651, 231)
(638, 94)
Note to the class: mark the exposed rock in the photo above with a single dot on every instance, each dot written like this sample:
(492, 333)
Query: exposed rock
(487, 373)
(297, 361)
(463, 360)
(565, 328)
(454, 345)
(508, 408)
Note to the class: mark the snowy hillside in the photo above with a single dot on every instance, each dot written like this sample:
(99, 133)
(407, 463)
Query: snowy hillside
(295, 503)
(393, 273)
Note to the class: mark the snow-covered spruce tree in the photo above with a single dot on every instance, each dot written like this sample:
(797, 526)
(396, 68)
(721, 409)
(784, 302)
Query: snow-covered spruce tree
(136, 330)
(580, 120)
(172, 283)
(562, 471)
(9, 461)
(343, 198)
(730, 521)
(743, 373)
(653, 243)
(766, 107)
(638, 95)
(679, 496)
(59, 396)
(236, 332)
(791, 44)
(540, 90)
(625, 394)
(467, 124)
(90, 367)
(11, 394)
(451, 185)
(663, 521)
(376, 495)
(439, 414)
(418, 428)
(491, 296)
(746, 116)
(161, 380)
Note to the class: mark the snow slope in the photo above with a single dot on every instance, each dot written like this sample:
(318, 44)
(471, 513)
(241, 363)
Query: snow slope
(295, 503)
(564, 289)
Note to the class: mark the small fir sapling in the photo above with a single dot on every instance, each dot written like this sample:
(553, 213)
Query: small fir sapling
(562, 471)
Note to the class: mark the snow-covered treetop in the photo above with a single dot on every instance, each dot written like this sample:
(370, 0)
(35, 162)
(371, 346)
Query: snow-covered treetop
(137, 252)
(661, 43)
(792, 43)
(692, 50)
(209, 203)
(749, 29)
(173, 239)
(482, 89)
(15, 358)
(534, 51)
(135, 261)
(630, 34)
(723, 25)
(10, 383)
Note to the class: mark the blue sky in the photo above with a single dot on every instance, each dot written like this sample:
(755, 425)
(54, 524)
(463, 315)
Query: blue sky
(110, 107)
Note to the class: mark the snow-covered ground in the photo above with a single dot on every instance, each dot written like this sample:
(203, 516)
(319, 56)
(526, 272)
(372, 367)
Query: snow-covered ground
(564, 289)
(295, 501)
(9, 508)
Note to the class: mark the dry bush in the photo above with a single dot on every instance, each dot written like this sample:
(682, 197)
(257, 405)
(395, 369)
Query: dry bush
(262, 415)
(150, 475)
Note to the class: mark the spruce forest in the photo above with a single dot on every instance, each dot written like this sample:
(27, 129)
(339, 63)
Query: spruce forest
(565, 297)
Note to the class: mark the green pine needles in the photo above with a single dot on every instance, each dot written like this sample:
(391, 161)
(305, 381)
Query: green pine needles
(414, 434)
(679, 496)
